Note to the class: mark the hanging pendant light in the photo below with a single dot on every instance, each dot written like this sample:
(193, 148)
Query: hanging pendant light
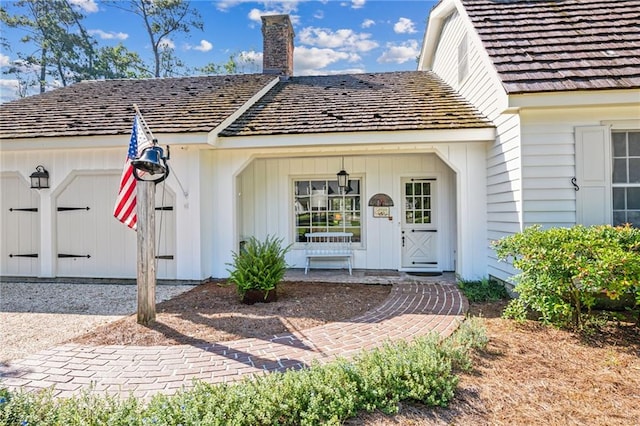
(343, 179)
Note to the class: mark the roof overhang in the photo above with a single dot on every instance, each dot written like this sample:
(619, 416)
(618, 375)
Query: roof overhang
(437, 17)
(96, 142)
(584, 98)
(358, 138)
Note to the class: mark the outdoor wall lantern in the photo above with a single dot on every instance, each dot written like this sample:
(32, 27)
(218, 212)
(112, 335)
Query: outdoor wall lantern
(40, 178)
(343, 179)
(151, 165)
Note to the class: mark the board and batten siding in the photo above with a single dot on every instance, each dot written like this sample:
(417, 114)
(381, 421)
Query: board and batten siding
(482, 88)
(68, 232)
(266, 193)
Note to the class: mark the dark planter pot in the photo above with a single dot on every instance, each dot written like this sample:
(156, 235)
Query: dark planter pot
(259, 296)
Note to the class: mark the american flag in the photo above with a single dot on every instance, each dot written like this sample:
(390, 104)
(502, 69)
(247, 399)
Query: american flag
(125, 209)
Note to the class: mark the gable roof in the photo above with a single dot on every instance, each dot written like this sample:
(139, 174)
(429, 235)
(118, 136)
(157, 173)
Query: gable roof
(413, 100)
(297, 105)
(105, 107)
(560, 45)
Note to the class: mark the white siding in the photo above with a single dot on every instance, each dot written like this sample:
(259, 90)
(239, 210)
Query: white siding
(266, 192)
(503, 159)
(104, 166)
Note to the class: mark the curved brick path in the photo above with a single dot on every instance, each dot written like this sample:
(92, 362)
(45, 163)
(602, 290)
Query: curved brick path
(413, 308)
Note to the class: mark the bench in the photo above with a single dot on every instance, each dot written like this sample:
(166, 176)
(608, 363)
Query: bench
(328, 245)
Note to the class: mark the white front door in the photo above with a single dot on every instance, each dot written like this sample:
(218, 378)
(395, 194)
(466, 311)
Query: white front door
(419, 231)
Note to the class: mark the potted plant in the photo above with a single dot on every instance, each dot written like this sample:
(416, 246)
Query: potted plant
(258, 268)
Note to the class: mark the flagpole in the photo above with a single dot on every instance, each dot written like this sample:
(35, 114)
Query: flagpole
(144, 123)
(146, 269)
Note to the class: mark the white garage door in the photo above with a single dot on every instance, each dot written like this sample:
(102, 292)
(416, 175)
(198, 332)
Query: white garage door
(20, 228)
(92, 243)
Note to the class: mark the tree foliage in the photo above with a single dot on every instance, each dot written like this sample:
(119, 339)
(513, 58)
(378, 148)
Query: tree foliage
(64, 51)
(161, 19)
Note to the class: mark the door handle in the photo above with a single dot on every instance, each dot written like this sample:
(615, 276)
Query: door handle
(403, 241)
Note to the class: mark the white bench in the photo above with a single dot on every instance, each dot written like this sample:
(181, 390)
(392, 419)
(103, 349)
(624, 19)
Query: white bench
(328, 245)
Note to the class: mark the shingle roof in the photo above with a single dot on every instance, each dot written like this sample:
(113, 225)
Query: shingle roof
(188, 104)
(415, 100)
(546, 45)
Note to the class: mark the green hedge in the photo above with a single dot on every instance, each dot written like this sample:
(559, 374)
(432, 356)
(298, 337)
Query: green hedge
(424, 370)
(564, 270)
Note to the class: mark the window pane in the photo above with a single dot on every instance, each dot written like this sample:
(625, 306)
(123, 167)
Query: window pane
(418, 189)
(303, 219)
(620, 171)
(633, 198)
(427, 189)
(619, 144)
(302, 188)
(619, 218)
(619, 199)
(634, 170)
(409, 217)
(408, 189)
(634, 218)
(634, 144)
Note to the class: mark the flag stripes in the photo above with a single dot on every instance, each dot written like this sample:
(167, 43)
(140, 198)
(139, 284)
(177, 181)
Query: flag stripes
(125, 208)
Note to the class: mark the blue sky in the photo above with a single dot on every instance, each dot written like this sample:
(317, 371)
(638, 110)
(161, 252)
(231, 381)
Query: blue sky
(331, 36)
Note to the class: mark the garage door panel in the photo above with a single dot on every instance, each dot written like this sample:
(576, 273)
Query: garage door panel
(98, 244)
(19, 227)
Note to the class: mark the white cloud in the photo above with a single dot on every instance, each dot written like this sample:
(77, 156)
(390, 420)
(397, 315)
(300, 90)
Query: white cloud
(249, 61)
(256, 14)
(319, 14)
(4, 61)
(404, 26)
(368, 23)
(344, 39)
(399, 54)
(8, 90)
(357, 4)
(166, 43)
(204, 46)
(109, 35)
(88, 6)
(310, 60)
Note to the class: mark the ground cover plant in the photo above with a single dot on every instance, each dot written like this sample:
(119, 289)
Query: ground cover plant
(424, 371)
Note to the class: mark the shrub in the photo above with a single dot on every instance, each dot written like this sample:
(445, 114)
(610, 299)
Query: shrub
(260, 265)
(483, 291)
(423, 370)
(564, 269)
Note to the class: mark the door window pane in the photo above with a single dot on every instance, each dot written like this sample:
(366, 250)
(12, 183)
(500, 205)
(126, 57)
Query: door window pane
(634, 144)
(418, 202)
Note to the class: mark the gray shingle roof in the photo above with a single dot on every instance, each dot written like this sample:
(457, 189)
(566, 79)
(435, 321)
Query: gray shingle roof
(188, 104)
(546, 45)
(415, 100)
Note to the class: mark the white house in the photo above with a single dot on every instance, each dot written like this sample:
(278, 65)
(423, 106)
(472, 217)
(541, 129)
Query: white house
(561, 82)
(251, 155)
(521, 112)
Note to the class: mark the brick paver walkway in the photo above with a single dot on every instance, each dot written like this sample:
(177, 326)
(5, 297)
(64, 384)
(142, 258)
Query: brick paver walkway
(414, 308)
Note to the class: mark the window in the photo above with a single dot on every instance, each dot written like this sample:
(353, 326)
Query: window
(626, 177)
(320, 207)
(418, 209)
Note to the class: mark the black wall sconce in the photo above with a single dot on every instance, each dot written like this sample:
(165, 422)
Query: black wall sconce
(40, 178)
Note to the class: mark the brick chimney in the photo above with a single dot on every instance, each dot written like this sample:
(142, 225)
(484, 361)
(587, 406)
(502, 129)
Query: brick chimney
(277, 45)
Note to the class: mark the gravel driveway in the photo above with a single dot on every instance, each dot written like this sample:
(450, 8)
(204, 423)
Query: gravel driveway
(38, 315)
